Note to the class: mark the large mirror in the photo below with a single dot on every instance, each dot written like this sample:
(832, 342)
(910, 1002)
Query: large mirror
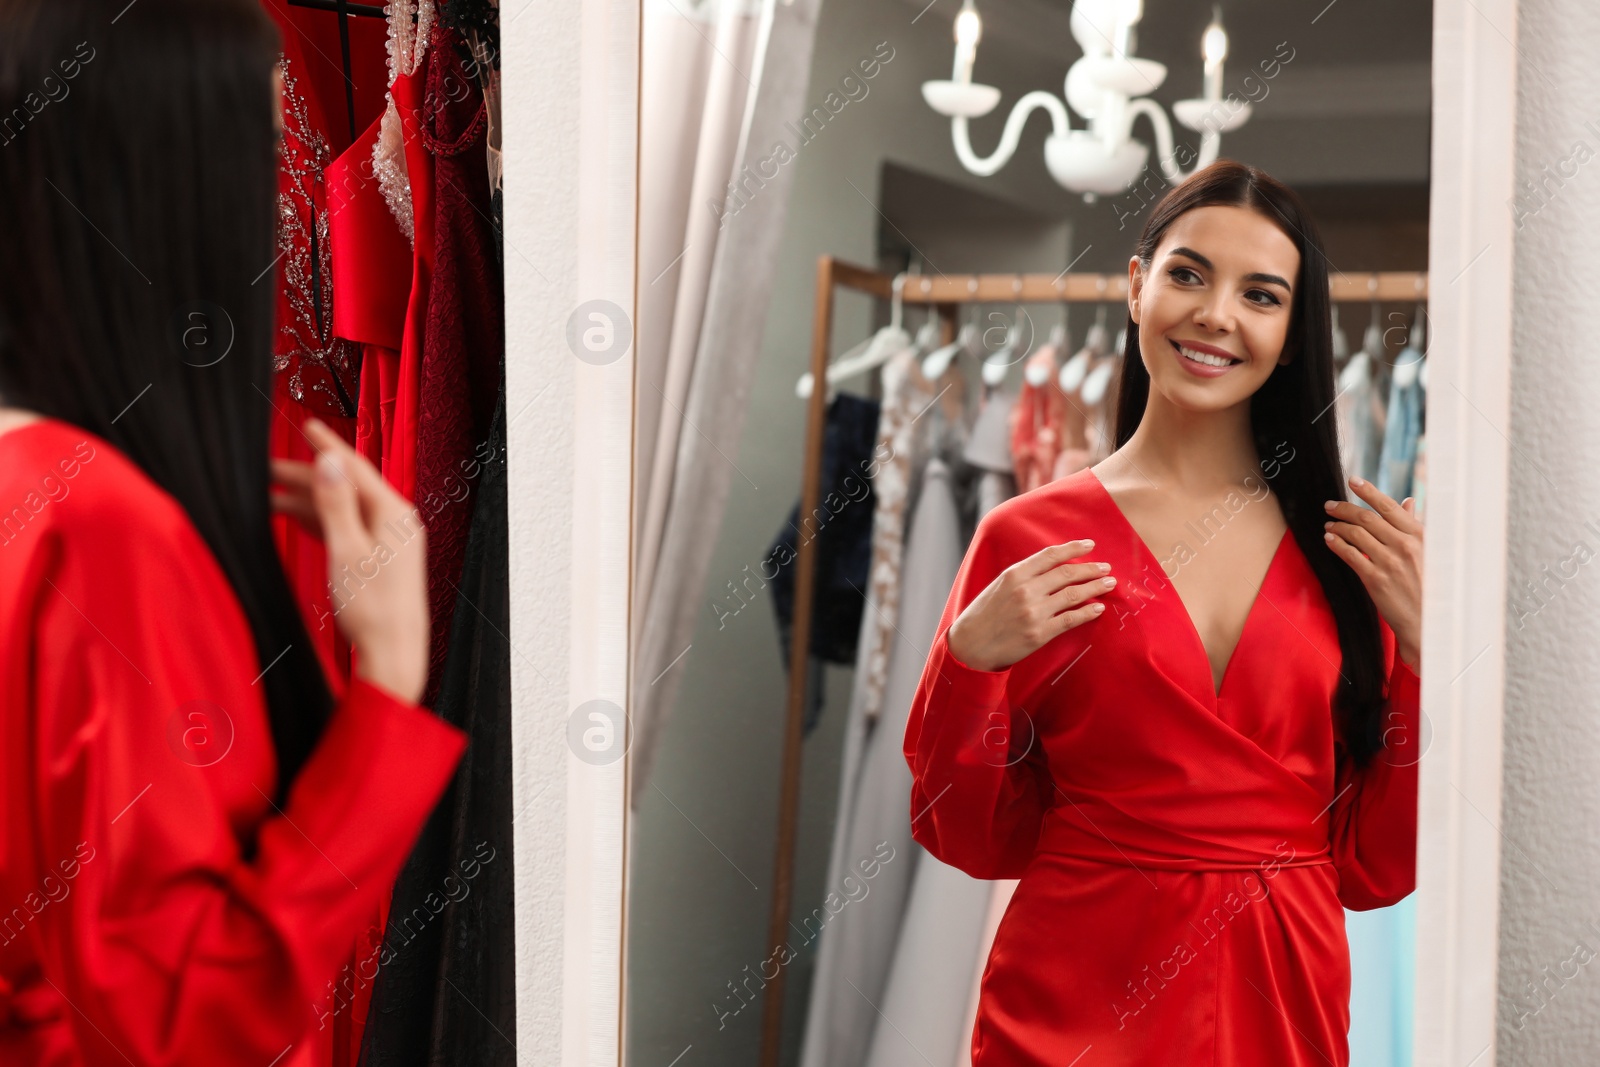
(966, 819)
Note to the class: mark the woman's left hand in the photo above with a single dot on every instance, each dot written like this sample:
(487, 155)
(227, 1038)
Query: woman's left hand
(1383, 545)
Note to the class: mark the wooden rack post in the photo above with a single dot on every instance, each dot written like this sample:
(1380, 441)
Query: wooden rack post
(945, 292)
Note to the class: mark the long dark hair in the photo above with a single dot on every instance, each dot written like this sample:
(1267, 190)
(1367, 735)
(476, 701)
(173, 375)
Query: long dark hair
(138, 184)
(1294, 407)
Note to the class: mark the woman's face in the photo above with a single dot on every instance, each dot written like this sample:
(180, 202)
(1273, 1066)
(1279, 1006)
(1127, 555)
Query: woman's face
(1220, 282)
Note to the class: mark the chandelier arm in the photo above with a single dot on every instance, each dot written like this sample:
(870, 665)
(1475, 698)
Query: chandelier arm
(1158, 119)
(1012, 133)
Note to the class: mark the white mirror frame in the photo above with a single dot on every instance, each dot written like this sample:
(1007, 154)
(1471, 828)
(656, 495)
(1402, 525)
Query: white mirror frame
(571, 94)
(1464, 579)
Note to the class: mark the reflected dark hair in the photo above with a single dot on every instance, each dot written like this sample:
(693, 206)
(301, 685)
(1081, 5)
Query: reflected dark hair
(1292, 419)
(138, 188)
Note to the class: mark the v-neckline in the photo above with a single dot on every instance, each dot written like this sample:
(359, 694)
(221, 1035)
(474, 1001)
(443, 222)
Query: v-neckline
(1217, 688)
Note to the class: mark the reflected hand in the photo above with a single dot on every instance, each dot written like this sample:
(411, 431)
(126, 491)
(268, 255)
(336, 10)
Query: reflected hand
(377, 555)
(1383, 545)
(1029, 603)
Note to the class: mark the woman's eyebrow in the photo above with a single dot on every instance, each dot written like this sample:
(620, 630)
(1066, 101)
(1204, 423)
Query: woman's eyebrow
(1271, 279)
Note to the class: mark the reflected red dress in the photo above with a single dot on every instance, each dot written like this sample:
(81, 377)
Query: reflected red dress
(136, 761)
(1184, 853)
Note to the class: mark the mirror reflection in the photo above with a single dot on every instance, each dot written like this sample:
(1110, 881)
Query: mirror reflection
(1030, 483)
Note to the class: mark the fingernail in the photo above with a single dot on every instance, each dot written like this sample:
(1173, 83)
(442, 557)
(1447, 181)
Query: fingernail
(1327, 526)
(1328, 536)
(328, 467)
(1097, 607)
(1355, 479)
(1102, 567)
(1087, 544)
(1327, 505)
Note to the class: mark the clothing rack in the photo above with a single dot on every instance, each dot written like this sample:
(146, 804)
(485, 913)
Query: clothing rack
(945, 293)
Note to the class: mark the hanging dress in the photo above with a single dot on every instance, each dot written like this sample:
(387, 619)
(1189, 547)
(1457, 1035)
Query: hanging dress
(1185, 850)
(861, 938)
(918, 420)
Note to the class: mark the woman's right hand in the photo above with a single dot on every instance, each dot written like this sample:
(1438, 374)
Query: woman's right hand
(377, 557)
(1029, 603)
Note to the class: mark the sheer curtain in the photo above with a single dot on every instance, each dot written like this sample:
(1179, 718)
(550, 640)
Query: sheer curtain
(718, 81)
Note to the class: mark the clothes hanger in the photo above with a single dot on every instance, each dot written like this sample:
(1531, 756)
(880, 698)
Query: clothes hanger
(1341, 343)
(938, 361)
(927, 338)
(1358, 371)
(1045, 363)
(1097, 381)
(1076, 369)
(874, 351)
(1000, 360)
(1409, 364)
(1041, 366)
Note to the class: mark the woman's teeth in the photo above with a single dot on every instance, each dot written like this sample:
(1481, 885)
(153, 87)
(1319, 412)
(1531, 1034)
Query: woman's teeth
(1204, 357)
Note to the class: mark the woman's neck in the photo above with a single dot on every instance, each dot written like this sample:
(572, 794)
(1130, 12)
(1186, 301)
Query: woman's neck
(1202, 451)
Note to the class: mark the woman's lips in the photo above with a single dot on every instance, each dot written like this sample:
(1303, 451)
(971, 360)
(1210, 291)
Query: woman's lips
(1199, 370)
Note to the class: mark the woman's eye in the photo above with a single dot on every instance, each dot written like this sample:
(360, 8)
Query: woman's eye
(1185, 274)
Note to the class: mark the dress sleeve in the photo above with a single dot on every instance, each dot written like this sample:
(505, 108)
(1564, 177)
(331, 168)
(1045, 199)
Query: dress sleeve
(200, 923)
(1375, 808)
(980, 786)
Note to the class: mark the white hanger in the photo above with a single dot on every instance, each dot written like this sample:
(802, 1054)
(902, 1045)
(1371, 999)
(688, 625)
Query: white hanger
(1358, 370)
(1341, 343)
(1409, 363)
(1043, 364)
(1098, 338)
(1040, 367)
(877, 350)
(1074, 370)
(999, 361)
(1094, 386)
(938, 361)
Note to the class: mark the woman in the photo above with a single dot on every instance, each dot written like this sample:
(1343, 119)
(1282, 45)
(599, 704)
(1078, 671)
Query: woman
(193, 830)
(1176, 693)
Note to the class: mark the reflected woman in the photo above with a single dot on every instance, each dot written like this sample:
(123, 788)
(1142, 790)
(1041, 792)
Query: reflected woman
(1176, 694)
(194, 830)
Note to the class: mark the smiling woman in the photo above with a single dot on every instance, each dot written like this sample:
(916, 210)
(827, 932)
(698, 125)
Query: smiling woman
(1183, 748)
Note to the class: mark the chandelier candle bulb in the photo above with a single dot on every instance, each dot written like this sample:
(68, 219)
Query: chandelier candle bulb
(969, 29)
(1214, 46)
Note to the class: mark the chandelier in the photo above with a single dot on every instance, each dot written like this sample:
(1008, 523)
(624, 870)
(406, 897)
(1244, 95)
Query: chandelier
(1108, 86)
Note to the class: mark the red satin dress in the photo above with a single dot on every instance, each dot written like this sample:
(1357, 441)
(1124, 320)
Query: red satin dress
(1185, 853)
(135, 765)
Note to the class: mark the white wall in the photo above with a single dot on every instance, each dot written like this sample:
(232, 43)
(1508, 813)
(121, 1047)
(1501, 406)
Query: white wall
(1550, 821)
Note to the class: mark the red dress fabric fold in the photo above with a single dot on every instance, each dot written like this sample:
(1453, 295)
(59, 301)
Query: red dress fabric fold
(1185, 852)
(138, 767)
(372, 275)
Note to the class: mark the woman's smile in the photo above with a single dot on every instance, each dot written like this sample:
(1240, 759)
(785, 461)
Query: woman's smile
(1204, 362)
